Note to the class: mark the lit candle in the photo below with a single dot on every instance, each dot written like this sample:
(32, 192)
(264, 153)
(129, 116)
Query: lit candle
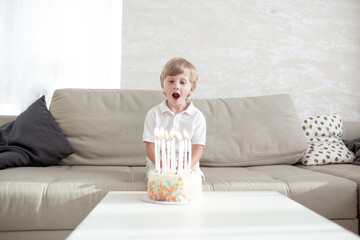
(187, 149)
(172, 136)
(157, 160)
(190, 152)
(181, 152)
(181, 156)
(186, 138)
(168, 152)
(185, 155)
(163, 150)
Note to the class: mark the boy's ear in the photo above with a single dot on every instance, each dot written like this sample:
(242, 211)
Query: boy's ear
(191, 90)
(189, 94)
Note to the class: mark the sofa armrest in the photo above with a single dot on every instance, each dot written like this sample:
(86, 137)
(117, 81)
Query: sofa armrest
(351, 130)
(6, 118)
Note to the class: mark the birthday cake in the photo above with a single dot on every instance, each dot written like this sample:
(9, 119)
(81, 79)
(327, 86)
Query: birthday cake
(174, 187)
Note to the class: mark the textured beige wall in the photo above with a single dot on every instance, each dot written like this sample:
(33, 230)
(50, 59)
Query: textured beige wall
(309, 49)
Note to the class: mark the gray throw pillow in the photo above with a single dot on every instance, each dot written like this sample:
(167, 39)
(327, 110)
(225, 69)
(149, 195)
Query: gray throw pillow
(33, 139)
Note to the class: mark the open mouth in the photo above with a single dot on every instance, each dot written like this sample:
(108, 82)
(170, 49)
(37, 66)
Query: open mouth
(175, 95)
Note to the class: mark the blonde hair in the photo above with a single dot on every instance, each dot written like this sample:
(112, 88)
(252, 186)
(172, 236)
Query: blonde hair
(177, 66)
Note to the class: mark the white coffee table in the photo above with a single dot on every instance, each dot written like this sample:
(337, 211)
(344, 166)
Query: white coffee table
(219, 215)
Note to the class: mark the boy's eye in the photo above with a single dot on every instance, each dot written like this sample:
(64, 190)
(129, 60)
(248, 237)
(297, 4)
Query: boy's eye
(171, 81)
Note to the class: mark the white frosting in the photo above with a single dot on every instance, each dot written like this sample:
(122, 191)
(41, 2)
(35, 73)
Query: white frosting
(184, 187)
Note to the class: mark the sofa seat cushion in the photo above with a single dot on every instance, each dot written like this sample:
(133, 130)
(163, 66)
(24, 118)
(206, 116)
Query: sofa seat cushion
(59, 197)
(330, 196)
(348, 171)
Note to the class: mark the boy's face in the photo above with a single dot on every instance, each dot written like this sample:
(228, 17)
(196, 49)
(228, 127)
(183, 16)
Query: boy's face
(177, 89)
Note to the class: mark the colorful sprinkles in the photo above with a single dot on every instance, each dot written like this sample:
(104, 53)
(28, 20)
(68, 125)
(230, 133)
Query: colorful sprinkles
(171, 187)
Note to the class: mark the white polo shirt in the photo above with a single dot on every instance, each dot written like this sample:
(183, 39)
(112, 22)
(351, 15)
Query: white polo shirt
(190, 119)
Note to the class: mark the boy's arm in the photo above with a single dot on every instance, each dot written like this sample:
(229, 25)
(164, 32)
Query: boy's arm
(197, 151)
(150, 151)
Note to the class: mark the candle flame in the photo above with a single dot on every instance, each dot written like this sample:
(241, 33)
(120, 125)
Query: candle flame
(167, 135)
(178, 135)
(186, 135)
(172, 133)
(156, 132)
(162, 132)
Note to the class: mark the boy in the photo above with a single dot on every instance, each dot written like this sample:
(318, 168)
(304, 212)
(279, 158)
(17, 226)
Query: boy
(178, 81)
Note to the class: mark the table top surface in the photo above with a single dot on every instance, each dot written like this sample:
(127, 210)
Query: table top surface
(218, 215)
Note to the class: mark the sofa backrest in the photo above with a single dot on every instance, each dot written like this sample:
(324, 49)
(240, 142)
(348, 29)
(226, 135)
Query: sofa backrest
(351, 130)
(105, 127)
(6, 118)
(252, 131)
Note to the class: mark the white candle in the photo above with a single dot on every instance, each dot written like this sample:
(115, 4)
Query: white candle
(181, 152)
(187, 149)
(185, 155)
(181, 156)
(163, 149)
(172, 135)
(167, 150)
(190, 152)
(157, 160)
(159, 153)
(186, 137)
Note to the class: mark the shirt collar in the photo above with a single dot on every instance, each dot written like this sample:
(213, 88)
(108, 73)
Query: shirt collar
(191, 109)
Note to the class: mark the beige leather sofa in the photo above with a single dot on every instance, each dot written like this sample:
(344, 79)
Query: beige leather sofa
(253, 144)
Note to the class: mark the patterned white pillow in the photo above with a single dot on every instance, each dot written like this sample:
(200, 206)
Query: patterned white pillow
(323, 135)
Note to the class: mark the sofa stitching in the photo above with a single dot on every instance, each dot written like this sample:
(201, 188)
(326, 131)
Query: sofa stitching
(212, 187)
(287, 187)
(130, 169)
